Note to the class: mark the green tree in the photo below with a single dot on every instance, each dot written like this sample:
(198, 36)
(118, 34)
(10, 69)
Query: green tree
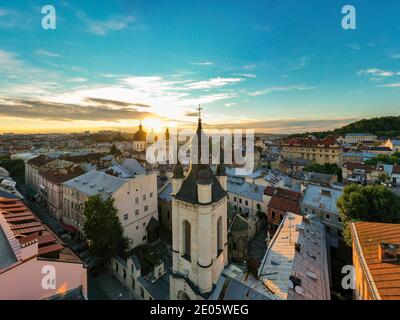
(103, 229)
(374, 203)
(16, 168)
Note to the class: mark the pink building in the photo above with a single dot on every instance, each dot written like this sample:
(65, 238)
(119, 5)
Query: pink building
(34, 262)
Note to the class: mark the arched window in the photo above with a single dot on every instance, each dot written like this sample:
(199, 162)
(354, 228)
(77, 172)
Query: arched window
(186, 239)
(219, 235)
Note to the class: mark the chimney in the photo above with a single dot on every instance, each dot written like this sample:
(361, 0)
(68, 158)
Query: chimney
(389, 252)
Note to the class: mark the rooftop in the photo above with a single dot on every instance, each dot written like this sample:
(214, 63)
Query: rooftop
(295, 265)
(245, 189)
(359, 135)
(383, 277)
(315, 177)
(19, 229)
(95, 182)
(323, 198)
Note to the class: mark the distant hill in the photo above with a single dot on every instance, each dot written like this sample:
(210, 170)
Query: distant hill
(382, 126)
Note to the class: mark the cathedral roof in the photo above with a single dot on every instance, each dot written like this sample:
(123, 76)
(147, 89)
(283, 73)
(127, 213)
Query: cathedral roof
(140, 135)
(199, 173)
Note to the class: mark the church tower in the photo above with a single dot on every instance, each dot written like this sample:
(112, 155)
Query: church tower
(199, 226)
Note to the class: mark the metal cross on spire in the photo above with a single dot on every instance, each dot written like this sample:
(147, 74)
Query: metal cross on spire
(199, 109)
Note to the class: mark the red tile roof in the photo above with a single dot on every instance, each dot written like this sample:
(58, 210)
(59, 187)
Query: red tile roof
(358, 166)
(39, 161)
(367, 238)
(281, 192)
(310, 142)
(58, 176)
(285, 204)
(27, 227)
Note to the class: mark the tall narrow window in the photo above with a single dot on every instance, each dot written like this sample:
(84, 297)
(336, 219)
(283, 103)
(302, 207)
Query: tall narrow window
(187, 239)
(219, 235)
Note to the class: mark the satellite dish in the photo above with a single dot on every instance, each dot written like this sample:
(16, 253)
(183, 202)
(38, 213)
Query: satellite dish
(291, 284)
(299, 290)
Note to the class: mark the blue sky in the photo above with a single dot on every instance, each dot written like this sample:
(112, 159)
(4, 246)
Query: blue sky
(272, 65)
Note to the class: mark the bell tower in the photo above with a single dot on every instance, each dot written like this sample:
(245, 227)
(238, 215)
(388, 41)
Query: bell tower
(199, 226)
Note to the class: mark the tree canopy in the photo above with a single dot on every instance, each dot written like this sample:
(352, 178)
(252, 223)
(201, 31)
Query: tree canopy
(103, 229)
(16, 168)
(383, 159)
(373, 203)
(380, 126)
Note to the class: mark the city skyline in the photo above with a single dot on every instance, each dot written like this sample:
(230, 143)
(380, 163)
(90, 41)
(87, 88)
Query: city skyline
(275, 67)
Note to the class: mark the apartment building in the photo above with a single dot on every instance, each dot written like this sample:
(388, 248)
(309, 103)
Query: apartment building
(321, 202)
(354, 138)
(320, 151)
(246, 199)
(50, 184)
(32, 167)
(135, 200)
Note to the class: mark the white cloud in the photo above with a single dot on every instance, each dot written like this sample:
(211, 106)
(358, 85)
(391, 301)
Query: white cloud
(102, 28)
(377, 72)
(46, 53)
(230, 104)
(247, 75)
(13, 19)
(390, 85)
(78, 79)
(212, 83)
(300, 63)
(204, 63)
(394, 55)
(279, 89)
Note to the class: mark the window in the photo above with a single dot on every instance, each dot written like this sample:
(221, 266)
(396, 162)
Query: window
(151, 194)
(273, 214)
(339, 219)
(281, 217)
(258, 206)
(136, 212)
(328, 217)
(137, 227)
(125, 216)
(234, 199)
(246, 203)
(136, 200)
(186, 239)
(146, 208)
(144, 197)
(144, 238)
(144, 224)
(219, 235)
(240, 200)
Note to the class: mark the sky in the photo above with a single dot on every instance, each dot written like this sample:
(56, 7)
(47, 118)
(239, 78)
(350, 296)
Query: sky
(276, 66)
